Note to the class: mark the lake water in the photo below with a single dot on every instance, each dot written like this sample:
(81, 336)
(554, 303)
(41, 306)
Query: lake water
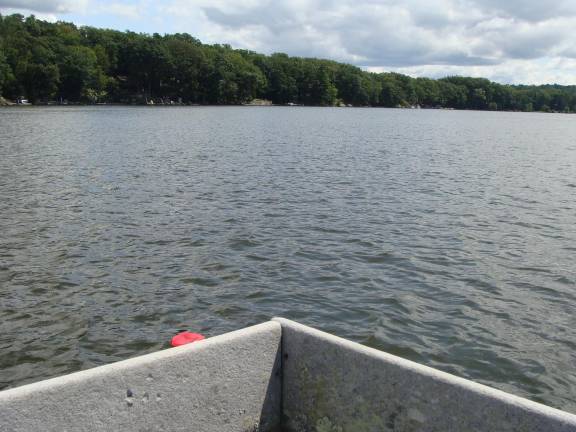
(444, 237)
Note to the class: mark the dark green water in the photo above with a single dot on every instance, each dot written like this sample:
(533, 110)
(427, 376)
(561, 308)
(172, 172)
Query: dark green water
(444, 237)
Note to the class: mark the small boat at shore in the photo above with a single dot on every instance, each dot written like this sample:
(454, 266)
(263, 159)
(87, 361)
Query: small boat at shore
(275, 376)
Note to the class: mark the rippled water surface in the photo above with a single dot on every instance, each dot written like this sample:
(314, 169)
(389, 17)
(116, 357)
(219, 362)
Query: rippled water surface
(444, 237)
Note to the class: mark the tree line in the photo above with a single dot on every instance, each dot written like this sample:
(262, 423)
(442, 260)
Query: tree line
(44, 62)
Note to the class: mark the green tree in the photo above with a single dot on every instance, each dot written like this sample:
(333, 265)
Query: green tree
(233, 79)
(190, 68)
(40, 82)
(280, 71)
(78, 72)
(427, 92)
(147, 62)
(479, 98)
(6, 75)
(92, 95)
(392, 93)
(351, 86)
(324, 90)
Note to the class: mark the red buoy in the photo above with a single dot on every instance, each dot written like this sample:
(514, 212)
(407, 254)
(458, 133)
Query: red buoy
(186, 338)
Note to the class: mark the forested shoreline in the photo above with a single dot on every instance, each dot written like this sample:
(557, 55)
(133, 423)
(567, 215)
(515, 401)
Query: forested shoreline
(59, 62)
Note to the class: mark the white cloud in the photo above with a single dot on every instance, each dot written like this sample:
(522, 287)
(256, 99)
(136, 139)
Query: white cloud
(527, 10)
(44, 6)
(131, 11)
(390, 33)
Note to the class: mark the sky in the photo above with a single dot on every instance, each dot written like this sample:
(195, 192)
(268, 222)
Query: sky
(508, 41)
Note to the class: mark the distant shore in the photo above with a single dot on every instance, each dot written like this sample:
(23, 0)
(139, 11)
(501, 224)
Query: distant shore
(4, 103)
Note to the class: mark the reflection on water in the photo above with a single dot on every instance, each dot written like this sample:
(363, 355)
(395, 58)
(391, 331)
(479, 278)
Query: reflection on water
(444, 237)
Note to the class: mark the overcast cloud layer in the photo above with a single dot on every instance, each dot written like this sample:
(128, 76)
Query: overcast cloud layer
(518, 41)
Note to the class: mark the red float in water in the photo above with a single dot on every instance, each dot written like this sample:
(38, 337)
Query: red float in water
(186, 338)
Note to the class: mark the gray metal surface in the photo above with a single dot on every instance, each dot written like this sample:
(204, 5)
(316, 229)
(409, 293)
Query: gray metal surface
(334, 385)
(228, 383)
(279, 374)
